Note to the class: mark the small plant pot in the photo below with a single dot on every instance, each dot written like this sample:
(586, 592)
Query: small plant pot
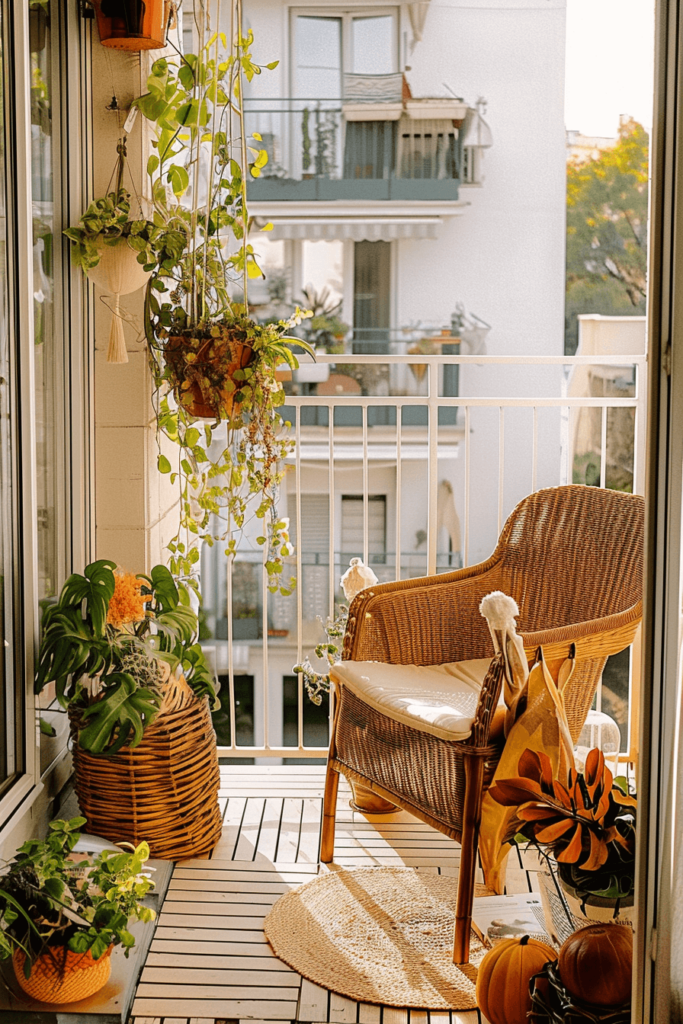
(62, 976)
(598, 908)
(212, 356)
(135, 25)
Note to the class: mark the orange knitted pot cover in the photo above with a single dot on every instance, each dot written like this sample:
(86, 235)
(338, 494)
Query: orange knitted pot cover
(62, 976)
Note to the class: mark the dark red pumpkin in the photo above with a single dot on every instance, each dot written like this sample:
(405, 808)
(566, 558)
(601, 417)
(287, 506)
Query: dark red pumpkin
(596, 964)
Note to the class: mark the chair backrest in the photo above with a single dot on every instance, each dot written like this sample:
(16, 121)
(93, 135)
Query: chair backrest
(571, 554)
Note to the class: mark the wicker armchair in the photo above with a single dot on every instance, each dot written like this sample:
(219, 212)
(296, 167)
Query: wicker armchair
(572, 558)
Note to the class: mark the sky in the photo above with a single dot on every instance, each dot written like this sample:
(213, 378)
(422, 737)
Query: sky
(610, 51)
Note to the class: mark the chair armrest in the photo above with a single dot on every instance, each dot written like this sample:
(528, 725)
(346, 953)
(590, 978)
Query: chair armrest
(433, 620)
(596, 638)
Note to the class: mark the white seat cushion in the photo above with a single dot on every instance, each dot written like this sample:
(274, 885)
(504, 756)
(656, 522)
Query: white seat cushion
(439, 699)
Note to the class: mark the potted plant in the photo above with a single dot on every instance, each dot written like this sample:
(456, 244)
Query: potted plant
(60, 917)
(325, 331)
(210, 359)
(134, 24)
(123, 654)
(119, 253)
(589, 826)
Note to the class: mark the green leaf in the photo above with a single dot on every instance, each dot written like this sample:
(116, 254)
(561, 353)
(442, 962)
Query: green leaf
(163, 465)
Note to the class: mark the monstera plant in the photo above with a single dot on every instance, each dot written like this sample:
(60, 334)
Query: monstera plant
(110, 643)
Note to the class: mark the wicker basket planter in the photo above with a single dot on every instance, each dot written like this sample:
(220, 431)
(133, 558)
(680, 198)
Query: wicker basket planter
(165, 790)
(62, 976)
(552, 1004)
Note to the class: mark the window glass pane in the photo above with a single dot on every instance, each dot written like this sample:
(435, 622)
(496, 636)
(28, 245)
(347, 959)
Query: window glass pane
(317, 73)
(374, 45)
(47, 365)
(9, 761)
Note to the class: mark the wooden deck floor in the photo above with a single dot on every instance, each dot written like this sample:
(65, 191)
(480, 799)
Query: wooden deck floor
(209, 961)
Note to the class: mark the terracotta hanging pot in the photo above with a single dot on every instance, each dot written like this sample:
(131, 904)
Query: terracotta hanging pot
(212, 356)
(62, 976)
(134, 24)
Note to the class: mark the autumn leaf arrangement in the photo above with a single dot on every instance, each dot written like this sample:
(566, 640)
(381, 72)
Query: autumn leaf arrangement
(587, 825)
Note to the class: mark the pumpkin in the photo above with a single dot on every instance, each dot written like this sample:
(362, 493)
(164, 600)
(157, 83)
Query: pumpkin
(504, 975)
(596, 964)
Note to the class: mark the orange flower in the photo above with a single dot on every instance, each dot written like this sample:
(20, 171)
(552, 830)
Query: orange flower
(127, 604)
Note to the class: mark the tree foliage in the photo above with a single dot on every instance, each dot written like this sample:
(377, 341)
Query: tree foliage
(607, 202)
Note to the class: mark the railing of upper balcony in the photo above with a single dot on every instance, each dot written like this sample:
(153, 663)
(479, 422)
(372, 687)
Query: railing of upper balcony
(316, 152)
(389, 458)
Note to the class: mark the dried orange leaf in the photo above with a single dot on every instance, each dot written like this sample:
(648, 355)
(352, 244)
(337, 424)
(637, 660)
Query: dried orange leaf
(573, 851)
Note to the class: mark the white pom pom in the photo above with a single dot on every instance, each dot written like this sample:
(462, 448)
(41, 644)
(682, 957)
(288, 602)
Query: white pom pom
(499, 610)
(356, 578)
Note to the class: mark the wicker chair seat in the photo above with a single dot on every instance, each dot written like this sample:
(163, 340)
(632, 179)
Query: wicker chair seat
(424, 773)
(438, 699)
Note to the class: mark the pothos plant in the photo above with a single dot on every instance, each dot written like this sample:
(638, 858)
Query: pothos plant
(108, 221)
(211, 360)
(109, 643)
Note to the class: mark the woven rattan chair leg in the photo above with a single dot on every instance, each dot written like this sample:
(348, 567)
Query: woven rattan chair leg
(474, 780)
(329, 813)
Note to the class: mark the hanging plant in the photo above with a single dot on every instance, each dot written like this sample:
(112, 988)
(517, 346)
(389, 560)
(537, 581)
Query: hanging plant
(211, 361)
(119, 253)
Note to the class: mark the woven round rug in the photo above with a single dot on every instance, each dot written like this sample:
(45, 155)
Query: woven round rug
(377, 935)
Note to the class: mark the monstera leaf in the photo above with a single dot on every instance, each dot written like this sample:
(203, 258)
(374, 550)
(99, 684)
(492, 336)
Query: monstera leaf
(119, 717)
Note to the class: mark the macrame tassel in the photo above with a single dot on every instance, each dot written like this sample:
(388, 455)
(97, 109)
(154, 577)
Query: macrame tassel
(116, 353)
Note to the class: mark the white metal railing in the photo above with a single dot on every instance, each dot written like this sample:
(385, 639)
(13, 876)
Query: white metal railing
(491, 466)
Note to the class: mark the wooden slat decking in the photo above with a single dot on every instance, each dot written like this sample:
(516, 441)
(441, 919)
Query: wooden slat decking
(209, 961)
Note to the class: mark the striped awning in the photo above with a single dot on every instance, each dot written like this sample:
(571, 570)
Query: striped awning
(357, 229)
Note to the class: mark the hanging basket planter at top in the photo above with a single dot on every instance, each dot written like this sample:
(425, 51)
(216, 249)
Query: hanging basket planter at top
(165, 790)
(134, 24)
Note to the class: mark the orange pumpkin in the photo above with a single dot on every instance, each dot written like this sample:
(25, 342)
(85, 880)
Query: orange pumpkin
(504, 976)
(596, 964)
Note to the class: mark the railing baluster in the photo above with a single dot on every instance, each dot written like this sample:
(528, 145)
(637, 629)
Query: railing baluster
(299, 584)
(534, 453)
(603, 446)
(365, 487)
(466, 531)
(399, 429)
(433, 464)
(501, 464)
(231, 666)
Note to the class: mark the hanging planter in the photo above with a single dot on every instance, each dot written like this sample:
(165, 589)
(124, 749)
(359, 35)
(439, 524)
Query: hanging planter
(134, 24)
(205, 383)
(118, 273)
(119, 253)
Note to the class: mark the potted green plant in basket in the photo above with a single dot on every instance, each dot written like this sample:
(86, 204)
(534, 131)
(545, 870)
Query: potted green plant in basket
(61, 917)
(123, 654)
(119, 252)
(211, 360)
(589, 826)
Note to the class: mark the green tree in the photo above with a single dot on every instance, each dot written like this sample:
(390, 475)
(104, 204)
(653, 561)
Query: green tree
(607, 228)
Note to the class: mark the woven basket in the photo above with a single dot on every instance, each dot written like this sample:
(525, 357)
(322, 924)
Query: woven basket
(62, 976)
(552, 1004)
(165, 790)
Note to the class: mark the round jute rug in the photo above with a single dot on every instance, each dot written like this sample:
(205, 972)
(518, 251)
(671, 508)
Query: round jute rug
(377, 935)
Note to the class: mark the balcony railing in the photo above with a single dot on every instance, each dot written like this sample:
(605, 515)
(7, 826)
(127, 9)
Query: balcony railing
(317, 152)
(428, 474)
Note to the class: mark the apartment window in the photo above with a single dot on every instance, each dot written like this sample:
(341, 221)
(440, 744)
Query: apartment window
(329, 44)
(353, 528)
(371, 296)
